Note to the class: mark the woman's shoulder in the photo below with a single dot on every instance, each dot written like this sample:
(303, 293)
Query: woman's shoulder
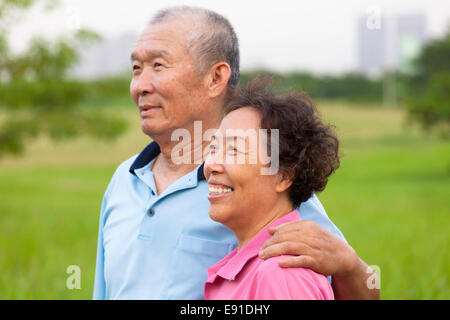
(291, 283)
(272, 266)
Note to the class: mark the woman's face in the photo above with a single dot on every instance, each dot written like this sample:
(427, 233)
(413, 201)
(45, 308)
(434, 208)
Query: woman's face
(238, 193)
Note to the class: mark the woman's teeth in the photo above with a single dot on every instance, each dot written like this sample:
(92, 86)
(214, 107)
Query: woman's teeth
(213, 190)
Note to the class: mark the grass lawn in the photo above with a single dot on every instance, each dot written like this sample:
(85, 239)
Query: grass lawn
(390, 197)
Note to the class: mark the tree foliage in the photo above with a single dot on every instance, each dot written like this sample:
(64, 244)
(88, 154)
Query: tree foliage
(428, 89)
(36, 94)
(351, 86)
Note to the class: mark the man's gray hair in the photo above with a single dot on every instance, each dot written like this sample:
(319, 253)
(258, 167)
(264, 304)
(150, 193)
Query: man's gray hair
(216, 41)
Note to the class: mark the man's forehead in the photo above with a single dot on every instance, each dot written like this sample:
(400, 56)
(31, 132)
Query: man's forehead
(146, 54)
(158, 41)
(171, 29)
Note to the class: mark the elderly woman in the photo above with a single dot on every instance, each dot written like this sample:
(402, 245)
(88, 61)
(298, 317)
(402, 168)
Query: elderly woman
(248, 200)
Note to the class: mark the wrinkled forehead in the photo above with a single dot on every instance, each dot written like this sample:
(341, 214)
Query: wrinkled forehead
(180, 27)
(171, 36)
(164, 32)
(158, 42)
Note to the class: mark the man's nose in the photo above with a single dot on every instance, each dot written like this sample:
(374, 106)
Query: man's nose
(145, 82)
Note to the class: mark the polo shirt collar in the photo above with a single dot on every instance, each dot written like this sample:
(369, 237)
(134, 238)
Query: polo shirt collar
(149, 153)
(229, 269)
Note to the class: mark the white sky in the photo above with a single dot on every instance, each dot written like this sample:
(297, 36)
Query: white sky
(314, 35)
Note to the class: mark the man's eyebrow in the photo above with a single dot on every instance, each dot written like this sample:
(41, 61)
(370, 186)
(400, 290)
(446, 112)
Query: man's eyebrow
(151, 54)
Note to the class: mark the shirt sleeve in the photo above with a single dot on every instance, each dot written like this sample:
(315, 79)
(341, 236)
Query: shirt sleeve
(275, 283)
(99, 284)
(313, 210)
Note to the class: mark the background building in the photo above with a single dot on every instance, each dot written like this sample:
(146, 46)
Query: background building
(391, 45)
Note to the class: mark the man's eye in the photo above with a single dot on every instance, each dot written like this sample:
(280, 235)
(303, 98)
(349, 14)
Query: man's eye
(135, 67)
(157, 65)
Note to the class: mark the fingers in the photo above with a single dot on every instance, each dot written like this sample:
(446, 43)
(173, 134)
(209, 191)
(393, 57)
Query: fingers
(304, 226)
(298, 262)
(287, 226)
(283, 248)
(272, 230)
(284, 232)
(281, 235)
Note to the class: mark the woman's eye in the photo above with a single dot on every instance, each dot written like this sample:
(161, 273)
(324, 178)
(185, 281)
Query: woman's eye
(232, 149)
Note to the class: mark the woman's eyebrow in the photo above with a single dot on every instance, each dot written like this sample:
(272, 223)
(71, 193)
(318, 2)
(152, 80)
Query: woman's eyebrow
(233, 137)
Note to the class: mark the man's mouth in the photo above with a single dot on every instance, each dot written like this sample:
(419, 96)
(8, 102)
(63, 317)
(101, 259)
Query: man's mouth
(146, 109)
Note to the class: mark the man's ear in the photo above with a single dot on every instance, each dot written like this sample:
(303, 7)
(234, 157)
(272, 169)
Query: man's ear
(219, 74)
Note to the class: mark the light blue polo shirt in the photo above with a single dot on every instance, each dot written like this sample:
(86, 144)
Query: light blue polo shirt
(154, 246)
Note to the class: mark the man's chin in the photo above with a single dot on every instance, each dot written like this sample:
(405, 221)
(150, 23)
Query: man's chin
(153, 129)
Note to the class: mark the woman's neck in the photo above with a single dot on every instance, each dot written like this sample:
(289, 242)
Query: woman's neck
(261, 219)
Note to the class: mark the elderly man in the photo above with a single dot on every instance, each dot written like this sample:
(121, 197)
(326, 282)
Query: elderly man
(155, 236)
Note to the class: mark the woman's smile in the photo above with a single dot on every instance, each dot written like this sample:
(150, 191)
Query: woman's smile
(218, 191)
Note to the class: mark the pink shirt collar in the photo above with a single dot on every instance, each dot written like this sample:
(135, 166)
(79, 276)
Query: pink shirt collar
(230, 266)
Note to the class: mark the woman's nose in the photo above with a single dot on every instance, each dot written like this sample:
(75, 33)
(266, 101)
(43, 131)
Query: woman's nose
(213, 164)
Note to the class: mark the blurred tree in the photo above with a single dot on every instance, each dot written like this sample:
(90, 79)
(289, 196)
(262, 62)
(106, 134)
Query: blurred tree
(427, 90)
(351, 86)
(36, 96)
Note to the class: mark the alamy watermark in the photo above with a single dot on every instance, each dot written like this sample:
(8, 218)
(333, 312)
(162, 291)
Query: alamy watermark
(73, 20)
(74, 280)
(238, 146)
(373, 21)
(374, 280)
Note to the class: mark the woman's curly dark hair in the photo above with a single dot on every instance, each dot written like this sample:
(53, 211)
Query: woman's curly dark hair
(308, 148)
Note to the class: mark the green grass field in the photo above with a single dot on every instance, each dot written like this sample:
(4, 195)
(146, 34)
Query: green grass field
(390, 197)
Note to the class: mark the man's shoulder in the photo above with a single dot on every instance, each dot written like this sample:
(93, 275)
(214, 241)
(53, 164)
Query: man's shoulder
(125, 165)
(128, 162)
(121, 172)
(313, 210)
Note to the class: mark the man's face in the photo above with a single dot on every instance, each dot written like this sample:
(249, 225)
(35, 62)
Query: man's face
(165, 85)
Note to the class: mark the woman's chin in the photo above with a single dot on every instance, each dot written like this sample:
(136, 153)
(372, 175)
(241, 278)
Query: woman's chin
(218, 214)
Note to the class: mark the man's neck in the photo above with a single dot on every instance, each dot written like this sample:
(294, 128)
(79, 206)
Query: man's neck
(177, 158)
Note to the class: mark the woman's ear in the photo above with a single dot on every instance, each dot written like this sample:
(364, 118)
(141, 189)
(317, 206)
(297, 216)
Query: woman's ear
(283, 183)
(219, 74)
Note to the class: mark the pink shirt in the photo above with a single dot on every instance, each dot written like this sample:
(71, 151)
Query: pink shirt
(242, 275)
